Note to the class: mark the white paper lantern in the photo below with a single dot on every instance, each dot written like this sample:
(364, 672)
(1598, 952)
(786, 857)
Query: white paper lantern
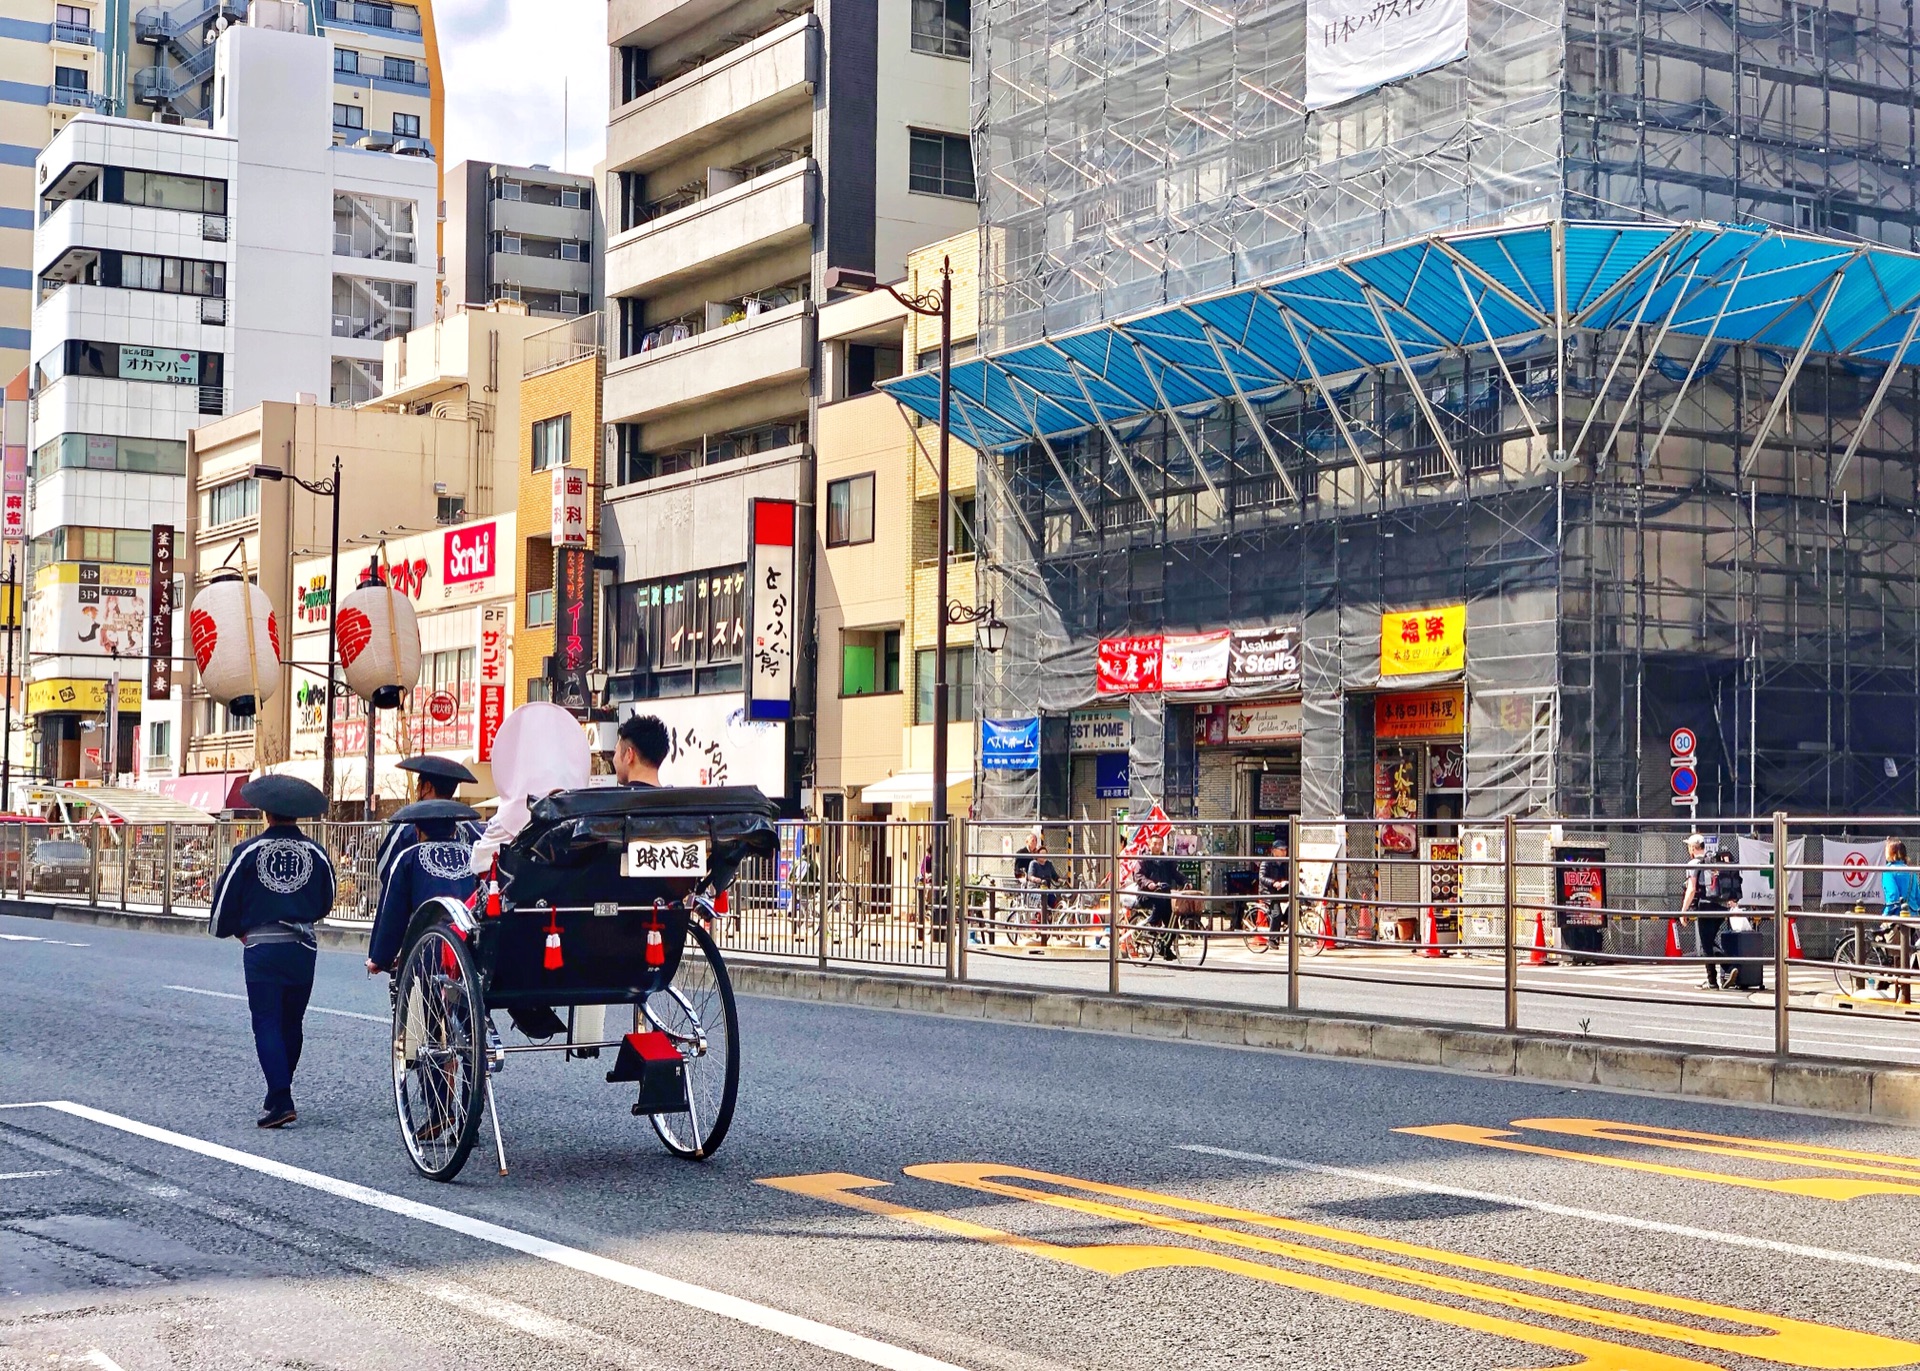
(379, 644)
(236, 643)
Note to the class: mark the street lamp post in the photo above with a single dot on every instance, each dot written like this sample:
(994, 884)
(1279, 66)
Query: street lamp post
(331, 490)
(6, 730)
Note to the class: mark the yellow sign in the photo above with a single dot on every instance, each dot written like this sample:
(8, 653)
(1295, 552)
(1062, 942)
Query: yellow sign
(90, 574)
(1418, 642)
(63, 695)
(1420, 714)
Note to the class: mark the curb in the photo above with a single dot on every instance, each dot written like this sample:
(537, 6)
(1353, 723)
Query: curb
(1861, 1089)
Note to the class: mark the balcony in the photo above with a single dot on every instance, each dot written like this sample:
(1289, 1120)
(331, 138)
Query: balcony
(712, 365)
(540, 221)
(404, 19)
(75, 35)
(770, 211)
(541, 273)
(72, 95)
(774, 72)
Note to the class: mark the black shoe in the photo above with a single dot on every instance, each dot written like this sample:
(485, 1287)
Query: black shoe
(276, 1118)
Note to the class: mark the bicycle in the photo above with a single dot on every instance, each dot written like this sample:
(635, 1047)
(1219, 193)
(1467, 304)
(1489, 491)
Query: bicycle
(1184, 934)
(1270, 932)
(1877, 946)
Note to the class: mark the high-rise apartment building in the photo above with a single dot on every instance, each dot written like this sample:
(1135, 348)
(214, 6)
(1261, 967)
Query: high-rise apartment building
(761, 158)
(154, 61)
(1421, 414)
(183, 274)
(522, 233)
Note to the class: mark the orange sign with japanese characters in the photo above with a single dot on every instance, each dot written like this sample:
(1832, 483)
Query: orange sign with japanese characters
(1420, 714)
(1419, 642)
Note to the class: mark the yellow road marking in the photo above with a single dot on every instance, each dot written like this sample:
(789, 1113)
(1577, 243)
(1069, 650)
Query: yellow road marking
(1784, 1341)
(1901, 1175)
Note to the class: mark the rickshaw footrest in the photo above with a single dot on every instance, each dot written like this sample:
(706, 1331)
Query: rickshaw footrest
(655, 1063)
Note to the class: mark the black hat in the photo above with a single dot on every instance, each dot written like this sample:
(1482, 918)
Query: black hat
(440, 768)
(427, 811)
(284, 797)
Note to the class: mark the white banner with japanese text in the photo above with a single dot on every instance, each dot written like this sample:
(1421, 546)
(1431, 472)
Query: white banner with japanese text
(771, 609)
(1354, 46)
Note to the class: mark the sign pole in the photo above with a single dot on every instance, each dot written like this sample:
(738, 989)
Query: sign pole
(6, 730)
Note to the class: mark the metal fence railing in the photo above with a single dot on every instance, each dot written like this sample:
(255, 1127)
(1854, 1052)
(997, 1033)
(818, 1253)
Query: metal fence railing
(1507, 923)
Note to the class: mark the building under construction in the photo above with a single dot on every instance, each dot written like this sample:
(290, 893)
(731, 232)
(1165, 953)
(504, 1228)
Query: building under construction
(1595, 331)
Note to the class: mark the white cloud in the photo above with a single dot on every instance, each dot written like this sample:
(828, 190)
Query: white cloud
(504, 63)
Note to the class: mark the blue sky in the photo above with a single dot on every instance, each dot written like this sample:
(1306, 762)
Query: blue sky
(505, 63)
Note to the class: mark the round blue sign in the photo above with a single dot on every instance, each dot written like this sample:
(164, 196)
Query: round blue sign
(1685, 780)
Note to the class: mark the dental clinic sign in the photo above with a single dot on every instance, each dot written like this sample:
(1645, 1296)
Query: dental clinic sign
(1354, 46)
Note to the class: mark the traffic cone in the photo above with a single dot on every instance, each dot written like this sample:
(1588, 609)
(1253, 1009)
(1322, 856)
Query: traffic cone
(1793, 942)
(1673, 938)
(1430, 933)
(1539, 955)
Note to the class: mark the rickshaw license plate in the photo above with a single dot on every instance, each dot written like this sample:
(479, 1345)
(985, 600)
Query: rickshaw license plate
(606, 909)
(666, 857)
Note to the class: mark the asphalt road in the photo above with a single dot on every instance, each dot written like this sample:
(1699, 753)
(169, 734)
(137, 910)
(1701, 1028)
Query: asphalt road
(900, 1191)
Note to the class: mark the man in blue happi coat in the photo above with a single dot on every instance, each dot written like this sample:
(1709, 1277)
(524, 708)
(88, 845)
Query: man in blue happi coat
(435, 778)
(274, 889)
(436, 862)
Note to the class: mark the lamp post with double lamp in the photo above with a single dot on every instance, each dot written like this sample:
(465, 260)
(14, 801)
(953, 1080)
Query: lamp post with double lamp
(330, 488)
(938, 303)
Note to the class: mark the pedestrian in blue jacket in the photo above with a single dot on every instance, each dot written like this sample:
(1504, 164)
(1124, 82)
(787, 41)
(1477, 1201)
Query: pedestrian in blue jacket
(275, 888)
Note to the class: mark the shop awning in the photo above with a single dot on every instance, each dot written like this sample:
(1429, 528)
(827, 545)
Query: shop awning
(1410, 303)
(211, 791)
(910, 788)
(129, 806)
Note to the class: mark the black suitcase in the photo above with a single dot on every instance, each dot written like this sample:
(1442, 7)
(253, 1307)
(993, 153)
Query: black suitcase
(1746, 975)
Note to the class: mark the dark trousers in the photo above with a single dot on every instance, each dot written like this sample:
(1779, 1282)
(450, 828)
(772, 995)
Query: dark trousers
(1709, 927)
(1160, 915)
(279, 980)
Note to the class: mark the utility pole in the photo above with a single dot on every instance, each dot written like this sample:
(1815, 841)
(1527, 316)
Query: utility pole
(110, 754)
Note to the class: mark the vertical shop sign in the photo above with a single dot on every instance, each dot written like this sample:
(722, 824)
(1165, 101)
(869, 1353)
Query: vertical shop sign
(770, 609)
(573, 625)
(1395, 786)
(1580, 886)
(493, 675)
(569, 507)
(1442, 873)
(13, 489)
(160, 615)
(1128, 666)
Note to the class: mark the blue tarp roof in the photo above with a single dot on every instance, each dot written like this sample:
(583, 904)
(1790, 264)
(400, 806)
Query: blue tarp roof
(1737, 284)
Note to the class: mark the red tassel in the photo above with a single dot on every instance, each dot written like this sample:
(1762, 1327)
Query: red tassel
(656, 945)
(720, 903)
(552, 960)
(493, 890)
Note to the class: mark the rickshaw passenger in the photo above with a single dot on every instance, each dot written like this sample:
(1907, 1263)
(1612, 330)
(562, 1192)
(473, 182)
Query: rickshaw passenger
(641, 751)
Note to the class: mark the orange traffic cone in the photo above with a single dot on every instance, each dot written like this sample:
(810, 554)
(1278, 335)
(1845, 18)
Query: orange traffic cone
(1430, 933)
(1793, 942)
(1673, 938)
(1539, 956)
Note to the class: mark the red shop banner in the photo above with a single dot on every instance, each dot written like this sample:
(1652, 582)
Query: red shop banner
(1128, 666)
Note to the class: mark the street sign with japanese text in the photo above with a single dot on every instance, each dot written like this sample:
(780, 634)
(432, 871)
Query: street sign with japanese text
(1420, 642)
(771, 608)
(160, 615)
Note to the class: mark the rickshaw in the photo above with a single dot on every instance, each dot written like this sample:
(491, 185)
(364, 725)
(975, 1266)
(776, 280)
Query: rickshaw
(592, 935)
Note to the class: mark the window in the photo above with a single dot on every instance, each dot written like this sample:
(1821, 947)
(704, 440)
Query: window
(160, 738)
(163, 190)
(230, 503)
(400, 69)
(353, 382)
(406, 126)
(128, 362)
(104, 452)
(959, 685)
(349, 117)
(70, 78)
(681, 633)
(573, 252)
(170, 275)
(940, 164)
(509, 190)
(73, 17)
(371, 310)
(379, 228)
(943, 28)
(453, 508)
(633, 74)
(215, 718)
(961, 527)
(539, 608)
(552, 441)
(346, 60)
(850, 511)
(870, 662)
(75, 543)
(539, 688)
(510, 243)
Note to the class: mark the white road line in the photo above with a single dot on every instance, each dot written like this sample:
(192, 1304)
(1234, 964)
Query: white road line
(25, 1175)
(796, 1327)
(21, 937)
(1791, 1249)
(311, 1009)
(100, 1359)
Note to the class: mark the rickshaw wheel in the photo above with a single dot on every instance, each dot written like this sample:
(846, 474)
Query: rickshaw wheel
(697, 1012)
(439, 1053)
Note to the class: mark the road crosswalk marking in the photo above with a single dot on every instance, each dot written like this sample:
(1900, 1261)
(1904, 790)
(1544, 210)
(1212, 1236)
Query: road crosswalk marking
(1864, 1173)
(1330, 1253)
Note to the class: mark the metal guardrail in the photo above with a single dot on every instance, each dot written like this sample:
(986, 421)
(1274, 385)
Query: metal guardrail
(1344, 901)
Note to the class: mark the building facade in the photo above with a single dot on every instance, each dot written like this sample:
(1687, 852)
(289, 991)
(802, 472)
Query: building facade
(760, 161)
(155, 62)
(397, 470)
(875, 512)
(522, 233)
(1420, 439)
(184, 274)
